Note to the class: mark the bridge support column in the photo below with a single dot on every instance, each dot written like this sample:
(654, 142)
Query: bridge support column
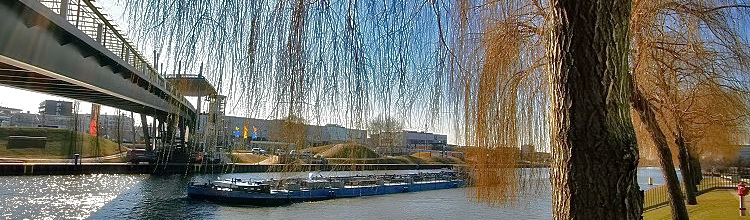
(146, 137)
(183, 130)
(64, 9)
(195, 126)
(171, 124)
(159, 127)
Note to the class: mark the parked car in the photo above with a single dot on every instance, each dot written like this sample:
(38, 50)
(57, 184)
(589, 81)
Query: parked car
(258, 151)
(136, 156)
(306, 154)
(280, 152)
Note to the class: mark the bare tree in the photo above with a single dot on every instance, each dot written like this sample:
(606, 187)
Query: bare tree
(558, 74)
(385, 130)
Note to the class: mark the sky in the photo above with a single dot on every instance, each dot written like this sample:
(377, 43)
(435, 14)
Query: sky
(29, 100)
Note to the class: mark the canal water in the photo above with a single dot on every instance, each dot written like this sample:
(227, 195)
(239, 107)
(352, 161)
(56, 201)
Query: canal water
(121, 196)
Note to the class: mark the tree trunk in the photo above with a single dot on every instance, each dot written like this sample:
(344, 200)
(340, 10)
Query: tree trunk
(695, 166)
(688, 175)
(645, 111)
(595, 155)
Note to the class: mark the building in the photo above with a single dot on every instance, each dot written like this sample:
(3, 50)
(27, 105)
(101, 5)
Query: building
(52, 107)
(408, 142)
(26, 119)
(56, 121)
(108, 127)
(275, 130)
(5, 115)
(424, 139)
(5, 111)
(334, 134)
(416, 139)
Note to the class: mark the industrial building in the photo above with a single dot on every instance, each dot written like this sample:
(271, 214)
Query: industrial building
(52, 107)
(5, 115)
(275, 130)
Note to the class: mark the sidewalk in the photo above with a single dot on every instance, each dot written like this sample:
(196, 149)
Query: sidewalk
(719, 204)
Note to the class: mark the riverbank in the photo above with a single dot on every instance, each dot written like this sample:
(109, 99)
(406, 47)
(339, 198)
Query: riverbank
(12, 169)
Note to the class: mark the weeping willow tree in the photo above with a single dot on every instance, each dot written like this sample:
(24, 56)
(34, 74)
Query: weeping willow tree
(555, 74)
(500, 87)
(685, 56)
(689, 61)
(542, 74)
(342, 61)
(327, 62)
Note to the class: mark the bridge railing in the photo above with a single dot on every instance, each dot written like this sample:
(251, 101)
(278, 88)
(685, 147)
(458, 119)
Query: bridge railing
(88, 18)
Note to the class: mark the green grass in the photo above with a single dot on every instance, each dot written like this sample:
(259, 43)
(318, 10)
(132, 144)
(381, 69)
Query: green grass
(426, 157)
(719, 204)
(659, 194)
(61, 143)
(317, 150)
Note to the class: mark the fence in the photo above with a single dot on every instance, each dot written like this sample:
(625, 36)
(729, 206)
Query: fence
(659, 196)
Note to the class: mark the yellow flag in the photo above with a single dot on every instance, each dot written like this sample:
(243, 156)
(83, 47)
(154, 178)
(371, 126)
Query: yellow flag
(245, 132)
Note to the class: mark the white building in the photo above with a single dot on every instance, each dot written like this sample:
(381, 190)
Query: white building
(273, 130)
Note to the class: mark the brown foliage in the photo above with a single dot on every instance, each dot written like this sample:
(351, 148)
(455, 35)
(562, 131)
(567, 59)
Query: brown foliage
(503, 95)
(685, 56)
(492, 173)
(686, 76)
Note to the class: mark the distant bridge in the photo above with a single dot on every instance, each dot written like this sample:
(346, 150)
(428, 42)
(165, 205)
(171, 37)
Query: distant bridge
(69, 48)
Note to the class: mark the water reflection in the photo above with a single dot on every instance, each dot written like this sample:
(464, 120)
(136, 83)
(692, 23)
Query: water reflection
(164, 197)
(52, 197)
(159, 197)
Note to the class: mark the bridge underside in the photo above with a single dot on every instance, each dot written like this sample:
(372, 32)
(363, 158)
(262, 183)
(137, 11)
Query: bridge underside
(29, 80)
(41, 51)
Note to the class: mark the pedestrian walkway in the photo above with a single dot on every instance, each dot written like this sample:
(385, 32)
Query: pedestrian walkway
(718, 204)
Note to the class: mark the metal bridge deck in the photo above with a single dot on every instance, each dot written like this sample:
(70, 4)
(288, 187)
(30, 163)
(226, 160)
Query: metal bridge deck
(41, 50)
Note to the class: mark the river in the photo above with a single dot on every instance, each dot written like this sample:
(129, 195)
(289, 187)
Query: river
(121, 196)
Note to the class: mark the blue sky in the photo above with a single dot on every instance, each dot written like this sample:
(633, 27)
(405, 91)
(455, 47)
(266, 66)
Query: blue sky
(28, 101)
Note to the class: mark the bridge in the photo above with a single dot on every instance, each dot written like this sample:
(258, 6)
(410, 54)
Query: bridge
(70, 49)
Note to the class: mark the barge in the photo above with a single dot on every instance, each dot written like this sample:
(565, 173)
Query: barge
(272, 192)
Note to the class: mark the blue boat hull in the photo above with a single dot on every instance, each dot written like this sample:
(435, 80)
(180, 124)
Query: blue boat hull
(281, 198)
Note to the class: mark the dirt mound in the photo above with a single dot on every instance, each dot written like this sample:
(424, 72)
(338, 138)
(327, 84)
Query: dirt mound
(348, 151)
(239, 157)
(317, 150)
(427, 157)
(381, 160)
(273, 159)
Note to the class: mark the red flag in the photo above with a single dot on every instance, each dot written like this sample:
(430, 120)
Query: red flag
(92, 127)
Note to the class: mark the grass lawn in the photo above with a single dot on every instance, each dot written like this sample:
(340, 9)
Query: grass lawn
(61, 143)
(719, 204)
